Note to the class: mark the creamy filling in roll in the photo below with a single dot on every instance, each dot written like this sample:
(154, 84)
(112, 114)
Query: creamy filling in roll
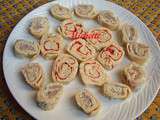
(64, 69)
(60, 12)
(108, 19)
(70, 27)
(137, 52)
(104, 37)
(51, 45)
(92, 73)
(133, 75)
(80, 49)
(86, 11)
(129, 33)
(25, 48)
(33, 75)
(49, 95)
(39, 26)
(110, 56)
(116, 90)
(87, 102)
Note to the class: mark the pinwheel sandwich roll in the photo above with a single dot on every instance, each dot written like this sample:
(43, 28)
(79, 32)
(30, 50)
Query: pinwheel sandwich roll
(27, 49)
(80, 49)
(133, 75)
(111, 55)
(86, 11)
(48, 96)
(116, 90)
(102, 37)
(137, 52)
(92, 73)
(33, 75)
(69, 27)
(64, 68)
(51, 45)
(108, 19)
(39, 26)
(60, 12)
(128, 33)
(87, 102)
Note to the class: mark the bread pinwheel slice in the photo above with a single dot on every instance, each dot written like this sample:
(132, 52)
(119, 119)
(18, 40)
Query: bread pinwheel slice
(64, 68)
(108, 19)
(27, 49)
(128, 33)
(33, 75)
(86, 11)
(100, 37)
(116, 90)
(48, 96)
(60, 12)
(39, 26)
(51, 45)
(87, 102)
(137, 52)
(92, 73)
(111, 55)
(69, 28)
(80, 49)
(133, 75)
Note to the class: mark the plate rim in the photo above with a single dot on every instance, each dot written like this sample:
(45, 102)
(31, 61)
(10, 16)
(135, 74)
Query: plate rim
(52, 2)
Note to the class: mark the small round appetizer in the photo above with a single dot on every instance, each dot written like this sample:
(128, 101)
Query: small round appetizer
(111, 55)
(137, 52)
(102, 37)
(116, 90)
(87, 102)
(64, 69)
(86, 11)
(39, 26)
(133, 75)
(48, 96)
(33, 75)
(68, 28)
(51, 45)
(60, 12)
(27, 49)
(108, 19)
(129, 33)
(80, 49)
(92, 73)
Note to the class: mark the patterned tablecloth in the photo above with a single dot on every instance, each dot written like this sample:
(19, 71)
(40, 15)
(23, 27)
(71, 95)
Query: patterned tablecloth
(11, 11)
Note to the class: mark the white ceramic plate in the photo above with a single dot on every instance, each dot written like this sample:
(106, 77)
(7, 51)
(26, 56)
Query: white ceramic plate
(65, 110)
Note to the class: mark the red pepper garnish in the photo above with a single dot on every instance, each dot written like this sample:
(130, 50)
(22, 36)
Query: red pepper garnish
(77, 27)
(59, 69)
(111, 51)
(80, 45)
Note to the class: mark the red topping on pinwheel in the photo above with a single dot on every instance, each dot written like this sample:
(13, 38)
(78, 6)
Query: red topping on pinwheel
(61, 69)
(113, 52)
(72, 27)
(80, 46)
(65, 68)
